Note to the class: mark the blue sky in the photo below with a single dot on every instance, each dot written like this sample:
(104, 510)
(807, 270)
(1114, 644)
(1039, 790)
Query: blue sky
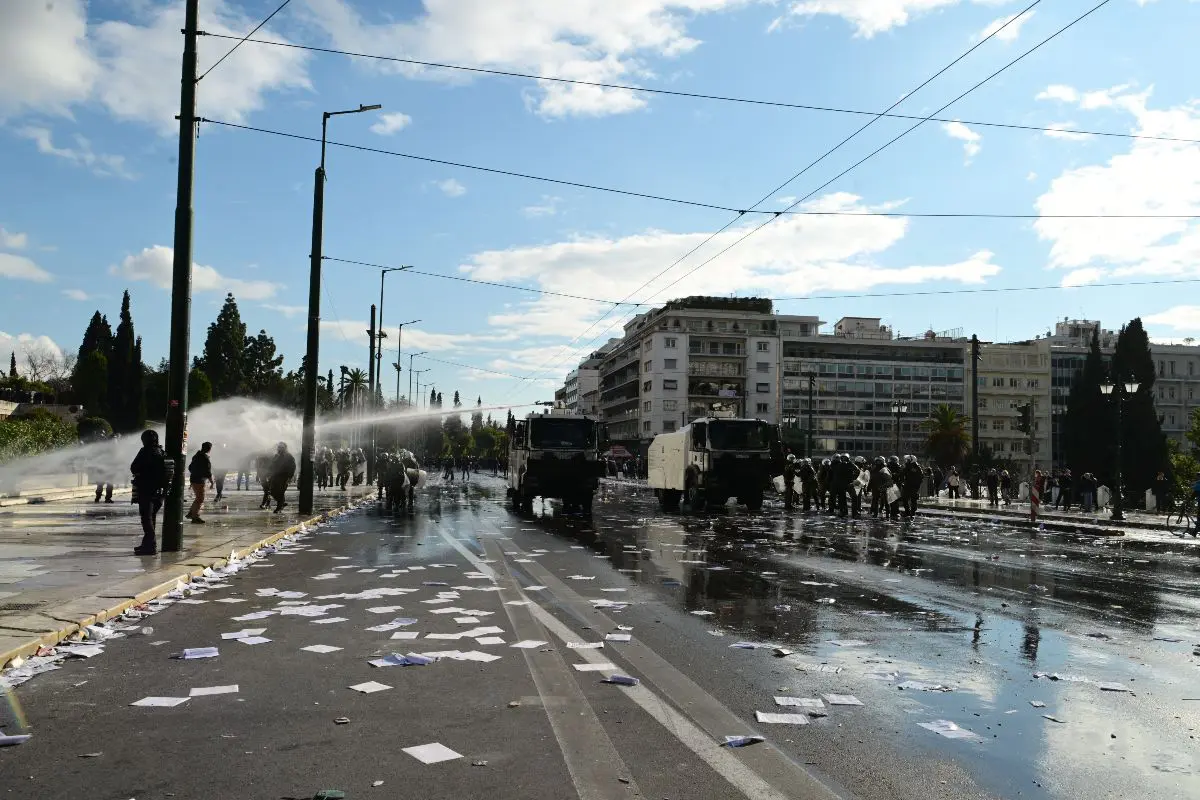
(88, 93)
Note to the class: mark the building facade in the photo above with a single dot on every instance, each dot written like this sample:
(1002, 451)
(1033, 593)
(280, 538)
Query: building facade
(1010, 376)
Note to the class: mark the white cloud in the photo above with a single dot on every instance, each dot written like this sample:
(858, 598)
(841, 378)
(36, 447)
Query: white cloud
(786, 201)
(1153, 177)
(970, 139)
(22, 343)
(1014, 23)
(154, 264)
(52, 58)
(287, 311)
(868, 17)
(76, 294)
(415, 339)
(391, 123)
(547, 207)
(451, 187)
(1031, 176)
(81, 155)
(1082, 277)
(13, 241)
(607, 41)
(1063, 94)
(22, 269)
(1063, 130)
(1181, 318)
(794, 256)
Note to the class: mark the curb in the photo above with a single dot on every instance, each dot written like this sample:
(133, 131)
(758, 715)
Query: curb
(53, 495)
(75, 624)
(1135, 524)
(1022, 522)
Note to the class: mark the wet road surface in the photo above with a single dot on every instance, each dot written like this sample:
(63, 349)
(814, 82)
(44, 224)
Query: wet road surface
(866, 606)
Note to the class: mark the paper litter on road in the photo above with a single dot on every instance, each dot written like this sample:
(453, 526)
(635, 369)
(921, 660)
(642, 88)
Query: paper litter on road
(321, 648)
(534, 588)
(488, 631)
(614, 590)
(921, 686)
(231, 600)
(742, 741)
(703, 613)
(242, 634)
(385, 609)
(800, 702)
(447, 636)
(12, 740)
(585, 645)
(781, 719)
(205, 691)
(847, 642)
(190, 653)
(254, 640)
(605, 667)
(842, 700)
(291, 595)
(437, 601)
(406, 635)
(467, 620)
(748, 646)
(529, 644)
(618, 637)
(1037, 704)
(582, 577)
(609, 604)
(432, 753)
(448, 610)
(81, 650)
(254, 615)
(489, 640)
(191, 601)
(622, 680)
(805, 666)
(1053, 718)
(944, 727)
(476, 655)
(397, 660)
(160, 702)
(370, 687)
(330, 620)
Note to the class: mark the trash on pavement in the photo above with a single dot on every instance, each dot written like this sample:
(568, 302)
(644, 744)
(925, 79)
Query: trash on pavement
(781, 719)
(244, 634)
(922, 686)
(1053, 718)
(160, 702)
(605, 667)
(783, 652)
(847, 642)
(81, 650)
(370, 687)
(432, 753)
(805, 666)
(585, 645)
(321, 648)
(190, 653)
(528, 644)
(330, 620)
(742, 741)
(205, 691)
(622, 680)
(254, 640)
(618, 637)
(828, 601)
(397, 660)
(842, 700)
(800, 702)
(342, 721)
(703, 613)
(1037, 704)
(13, 740)
(944, 727)
(747, 646)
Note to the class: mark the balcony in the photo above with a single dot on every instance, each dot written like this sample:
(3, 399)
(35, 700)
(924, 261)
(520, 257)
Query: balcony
(716, 389)
(718, 369)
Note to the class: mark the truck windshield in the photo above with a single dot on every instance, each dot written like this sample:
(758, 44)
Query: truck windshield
(738, 435)
(548, 432)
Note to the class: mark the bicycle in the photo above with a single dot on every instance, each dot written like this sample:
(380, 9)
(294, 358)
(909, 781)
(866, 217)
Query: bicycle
(1182, 520)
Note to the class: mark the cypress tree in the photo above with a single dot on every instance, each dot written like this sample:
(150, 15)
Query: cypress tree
(224, 351)
(1143, 446)
(122, 403)
(12, 364)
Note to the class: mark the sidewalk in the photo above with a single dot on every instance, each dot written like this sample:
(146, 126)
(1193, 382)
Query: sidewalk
(68, 564)
(1018, 513)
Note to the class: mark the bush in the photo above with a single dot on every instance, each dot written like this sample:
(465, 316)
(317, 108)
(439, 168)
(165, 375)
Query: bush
(91, 429)
(28, 436)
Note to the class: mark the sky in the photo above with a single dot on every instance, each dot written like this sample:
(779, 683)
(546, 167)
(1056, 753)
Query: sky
(89, 92)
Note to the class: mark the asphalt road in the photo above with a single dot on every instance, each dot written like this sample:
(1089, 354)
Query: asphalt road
(974, 606)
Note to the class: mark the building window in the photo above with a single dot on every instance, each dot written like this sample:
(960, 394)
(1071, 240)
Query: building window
(763, 367)
(983, 402)
(998, 382)
(670, 405)
(1171, 368)
(997, 424)
(1171, 391)
(1013, 383)
(761, 408)
(649, 365)
(762, 388)
(764, 347)
(1191, 368)
(648, 405)
(670, 386)
(1033, 383)
(647, 386)
(670, 363)
(648, 345)
(1171, 420)
(722, 326)
(668, 427)
(646, 426)
(670, 342)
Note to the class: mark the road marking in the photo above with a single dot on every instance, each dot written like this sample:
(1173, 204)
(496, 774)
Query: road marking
(745, 771)
(590, 756)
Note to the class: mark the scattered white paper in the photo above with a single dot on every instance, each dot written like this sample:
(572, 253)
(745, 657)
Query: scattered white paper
(245, 633)
(489, 640)
(529, 644)
(432, 753)
(475, 655)
(190, 653)
(330, 620)
(204, 691)
(800, 702)
(847, 642)
(321, 648)
(467, 620)
(446, 636)
(781, 719)
(254, 615)
(82, 650)
(254, 640)
(406, 635)
(944, 727)
(618, 637)
(231, 600)
(385, 609)
(534, 588)
(585, 645)
(606, 667)
(842, 700)
(703, 613)
(160, 702)
(370, 687)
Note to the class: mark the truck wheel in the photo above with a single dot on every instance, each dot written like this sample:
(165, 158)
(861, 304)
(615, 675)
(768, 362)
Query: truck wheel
(755, 501)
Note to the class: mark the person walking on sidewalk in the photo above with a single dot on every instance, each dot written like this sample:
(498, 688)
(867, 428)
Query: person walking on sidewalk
(152, 473)
(952, 484)
(993, 488)
(200, 475)
(283, 469)
(1087, 492)
(789, 481)
(1162, 493)
(219, 473)
(1006, 492)
(1064, 491)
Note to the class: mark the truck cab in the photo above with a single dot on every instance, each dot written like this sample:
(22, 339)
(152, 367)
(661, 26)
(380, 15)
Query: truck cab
(710, 460)
(555, 454)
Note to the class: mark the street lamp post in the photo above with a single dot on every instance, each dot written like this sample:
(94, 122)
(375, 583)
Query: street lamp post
(308, 439)
(1119, 392)
(411, 356)
(399, 344)
(898, 409)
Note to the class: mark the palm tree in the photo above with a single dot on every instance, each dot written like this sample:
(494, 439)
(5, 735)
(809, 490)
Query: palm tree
(948, 441)
(354, 387)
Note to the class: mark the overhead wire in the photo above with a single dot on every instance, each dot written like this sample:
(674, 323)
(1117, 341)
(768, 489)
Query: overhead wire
(695, 95)
(240, 41)
(468, 366)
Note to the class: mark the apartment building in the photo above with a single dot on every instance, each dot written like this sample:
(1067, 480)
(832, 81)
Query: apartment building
(870, 389)
(1011, 375)
(1176, 386)
(580, 390)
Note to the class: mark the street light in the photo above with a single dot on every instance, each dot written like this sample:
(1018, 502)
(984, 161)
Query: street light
(411, 356)
(314, 318)
(399, 343)
(898, 409)
(1119, 392)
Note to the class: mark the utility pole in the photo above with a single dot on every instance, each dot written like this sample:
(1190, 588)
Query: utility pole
(181, 288)
(371, 379)
(808, 450)
(975, 356)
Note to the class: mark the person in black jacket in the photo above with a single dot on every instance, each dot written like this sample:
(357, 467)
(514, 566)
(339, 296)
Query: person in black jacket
(151, 475)
(910, 487)
(283, 469)
(1064, 491)
(200, 474)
